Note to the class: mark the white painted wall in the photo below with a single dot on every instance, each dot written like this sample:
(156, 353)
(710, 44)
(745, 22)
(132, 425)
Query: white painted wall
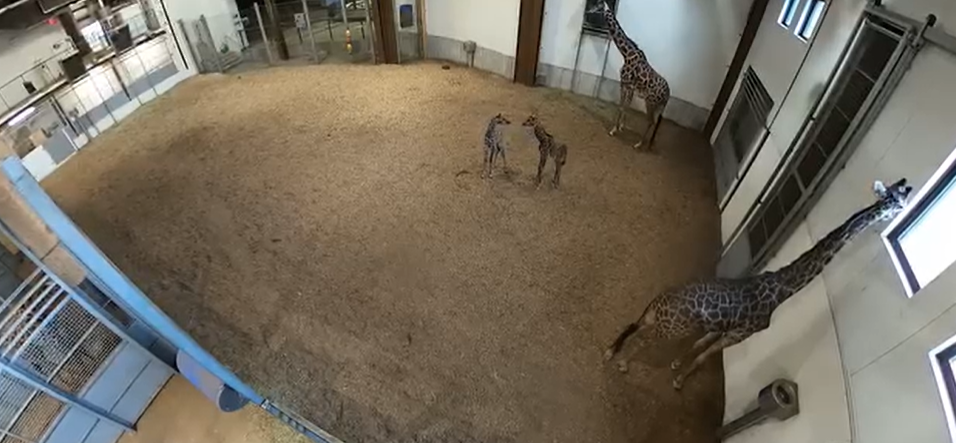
(492, 24)
(691, 42)
(853, 341)
(219, 13)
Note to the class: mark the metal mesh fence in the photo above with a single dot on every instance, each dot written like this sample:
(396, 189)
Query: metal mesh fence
(45, 332)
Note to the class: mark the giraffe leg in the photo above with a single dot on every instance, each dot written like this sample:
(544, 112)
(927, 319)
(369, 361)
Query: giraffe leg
(657, 125)
(627, 95)
(504, 160)
(557, 175)
(700, 344)
(485, 164)
(726, 340)
(541, 162)
(654, 113)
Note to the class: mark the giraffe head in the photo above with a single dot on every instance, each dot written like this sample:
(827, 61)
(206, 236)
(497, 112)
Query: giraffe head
(500, 120)
(531, 121)
(893, 198)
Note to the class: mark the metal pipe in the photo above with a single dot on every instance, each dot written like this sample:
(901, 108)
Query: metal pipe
(189, 44)
(371, 26)
(308, 25)
(262, 29)
(14, 435)
(345, 14)
(63, 396)
(25, 328)
(932, 34)
(597, 92)
(207, 35)
(118, 285)
(13, 5)
(43, 324)
(137, 52)
(20, 302)
(23, 285)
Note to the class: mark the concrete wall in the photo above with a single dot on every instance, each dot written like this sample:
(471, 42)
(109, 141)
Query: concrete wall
(691, 42)
(852, 340)
(491, 24)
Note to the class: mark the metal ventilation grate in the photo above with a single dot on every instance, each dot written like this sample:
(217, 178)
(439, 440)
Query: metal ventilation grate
(744, 128)
(750, 120)
(869, 62)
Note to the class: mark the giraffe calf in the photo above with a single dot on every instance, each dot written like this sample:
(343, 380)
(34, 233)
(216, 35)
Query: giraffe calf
(547, 147)
(494, 145)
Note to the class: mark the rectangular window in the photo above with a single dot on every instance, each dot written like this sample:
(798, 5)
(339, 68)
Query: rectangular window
(943, 360)
(922, 242)
(594, 16)
(787, 13)
(811, 17)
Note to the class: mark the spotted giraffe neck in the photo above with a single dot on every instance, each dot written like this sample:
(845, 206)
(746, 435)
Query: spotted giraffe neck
(805, 268)
(620, 38)
(541, 134)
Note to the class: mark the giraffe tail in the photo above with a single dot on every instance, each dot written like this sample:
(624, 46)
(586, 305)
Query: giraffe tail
(645, 319)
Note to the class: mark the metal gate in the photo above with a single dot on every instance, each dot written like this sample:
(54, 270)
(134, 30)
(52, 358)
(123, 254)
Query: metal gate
(64, 368)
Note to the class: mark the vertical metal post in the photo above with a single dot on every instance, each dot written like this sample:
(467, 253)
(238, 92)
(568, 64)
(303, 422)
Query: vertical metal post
(281, 46)
(192, 49)
(207, 35)
(61, 395)
(345, 15)
(262, 29)
(368, 19)
(96, 88)
(308, 25)
(138, 53)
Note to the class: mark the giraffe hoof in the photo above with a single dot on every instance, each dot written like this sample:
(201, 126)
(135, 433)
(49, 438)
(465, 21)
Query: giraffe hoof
(622, 367)
(678, 383)
(675, 365)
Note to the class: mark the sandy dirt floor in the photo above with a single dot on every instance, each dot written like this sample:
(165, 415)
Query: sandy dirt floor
(180, 414)
(324, 231)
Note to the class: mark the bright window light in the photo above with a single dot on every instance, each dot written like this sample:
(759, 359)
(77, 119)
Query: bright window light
(22, 116)
(930, 243)
(810, 18)
(787, 13)
(94, 35)
(943, 361)
(922, 240)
